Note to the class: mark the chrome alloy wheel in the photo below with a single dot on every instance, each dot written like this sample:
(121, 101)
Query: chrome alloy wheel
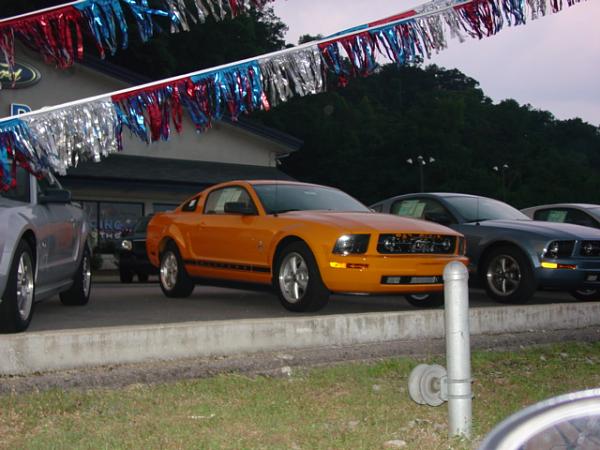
(503, 275)
(169, 268)
(25, 284)
(293, 277)
(86, 274)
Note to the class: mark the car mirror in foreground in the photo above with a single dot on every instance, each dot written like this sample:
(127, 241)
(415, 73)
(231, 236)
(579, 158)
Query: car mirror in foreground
(567, 421)
(238, 208)
(55, 196)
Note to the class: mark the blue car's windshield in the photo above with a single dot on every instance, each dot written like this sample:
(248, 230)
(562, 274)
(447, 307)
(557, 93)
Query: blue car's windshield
(279, 198)
(477, 209)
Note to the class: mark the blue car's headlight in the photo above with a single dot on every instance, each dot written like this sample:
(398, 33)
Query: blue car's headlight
(351, 244)
(559, 249)
(126, 245)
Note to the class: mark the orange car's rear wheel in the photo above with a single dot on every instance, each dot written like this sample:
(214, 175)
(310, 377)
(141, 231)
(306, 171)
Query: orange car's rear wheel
(174, 280)
(298, 281)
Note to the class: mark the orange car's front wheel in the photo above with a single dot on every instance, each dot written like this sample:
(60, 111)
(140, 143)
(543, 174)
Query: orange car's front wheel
(298, 281)
(174, 280)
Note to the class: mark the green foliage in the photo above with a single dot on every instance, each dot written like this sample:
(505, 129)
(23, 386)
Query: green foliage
(359, 138)
(206, 45)
(350, 405)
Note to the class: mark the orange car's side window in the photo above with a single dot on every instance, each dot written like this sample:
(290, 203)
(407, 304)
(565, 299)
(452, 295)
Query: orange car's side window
(216, 200)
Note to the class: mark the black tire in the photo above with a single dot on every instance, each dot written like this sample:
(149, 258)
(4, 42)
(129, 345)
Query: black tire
(125, 275)
(507, 276)
(142, 277)
(174, 280)
(428, 300)
(586, 295)
(16, 308)
(297, 279)
(79, 292)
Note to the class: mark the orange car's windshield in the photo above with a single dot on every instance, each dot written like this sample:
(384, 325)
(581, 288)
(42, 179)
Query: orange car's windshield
(279, 198)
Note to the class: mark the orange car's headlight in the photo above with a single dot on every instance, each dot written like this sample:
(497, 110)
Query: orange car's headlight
(351, 244)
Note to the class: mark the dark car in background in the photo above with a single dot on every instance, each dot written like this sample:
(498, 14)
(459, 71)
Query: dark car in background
(584, 214)
(131, 257)
(510, 254)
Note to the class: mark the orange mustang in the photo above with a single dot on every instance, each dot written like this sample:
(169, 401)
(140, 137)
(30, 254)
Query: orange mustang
(303, 239)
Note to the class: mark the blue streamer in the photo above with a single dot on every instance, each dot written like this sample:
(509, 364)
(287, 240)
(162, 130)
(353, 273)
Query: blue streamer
(15, 134)
(103, 18)
(237, 89)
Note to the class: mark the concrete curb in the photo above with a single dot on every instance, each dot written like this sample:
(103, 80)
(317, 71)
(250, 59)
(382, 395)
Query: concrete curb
(69, 349)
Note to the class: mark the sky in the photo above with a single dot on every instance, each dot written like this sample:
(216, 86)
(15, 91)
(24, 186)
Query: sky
(552, 63)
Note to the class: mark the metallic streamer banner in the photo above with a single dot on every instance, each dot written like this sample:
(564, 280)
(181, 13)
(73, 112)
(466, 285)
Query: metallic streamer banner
(63, 137)
(295, 73)
(58, 139)
(56, 33)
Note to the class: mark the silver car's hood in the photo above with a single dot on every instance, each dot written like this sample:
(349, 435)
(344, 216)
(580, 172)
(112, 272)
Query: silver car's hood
(551, 230)
(9, 203)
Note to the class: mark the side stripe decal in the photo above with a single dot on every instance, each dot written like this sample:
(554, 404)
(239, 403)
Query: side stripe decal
(227, 266)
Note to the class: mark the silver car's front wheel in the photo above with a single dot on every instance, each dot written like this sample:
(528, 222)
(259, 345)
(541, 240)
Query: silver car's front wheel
(16, 308)
(25, 286)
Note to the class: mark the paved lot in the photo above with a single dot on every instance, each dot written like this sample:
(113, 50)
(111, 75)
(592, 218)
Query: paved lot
(116, 304)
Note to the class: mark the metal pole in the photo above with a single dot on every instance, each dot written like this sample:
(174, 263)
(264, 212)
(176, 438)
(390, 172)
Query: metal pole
(421, 176)
(458, 352)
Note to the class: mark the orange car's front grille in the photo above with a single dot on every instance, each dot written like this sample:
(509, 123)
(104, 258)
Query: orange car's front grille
(411, 243)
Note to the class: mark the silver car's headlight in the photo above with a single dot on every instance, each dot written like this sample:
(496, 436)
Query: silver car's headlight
(126, 244)
(351, 244)
(559, 249)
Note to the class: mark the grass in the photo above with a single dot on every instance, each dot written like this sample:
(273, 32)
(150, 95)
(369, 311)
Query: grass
(349, 406)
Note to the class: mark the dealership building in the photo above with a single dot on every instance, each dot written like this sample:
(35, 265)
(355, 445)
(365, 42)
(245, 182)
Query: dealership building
(143, 178)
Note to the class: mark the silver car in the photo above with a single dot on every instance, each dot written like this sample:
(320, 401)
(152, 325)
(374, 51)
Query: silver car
(577, 213)
(44, 249)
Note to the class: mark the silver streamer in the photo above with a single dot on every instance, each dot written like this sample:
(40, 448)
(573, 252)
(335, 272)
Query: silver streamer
(82, 132)
(431, 30)
(538, 8)
(300, 73)
(219, 9)
(452, 19)
(179, 9)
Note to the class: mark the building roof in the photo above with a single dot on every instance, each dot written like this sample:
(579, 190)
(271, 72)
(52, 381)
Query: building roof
(292, 143)
(175, 171)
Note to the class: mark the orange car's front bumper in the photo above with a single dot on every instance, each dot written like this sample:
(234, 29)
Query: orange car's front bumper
(397, 274)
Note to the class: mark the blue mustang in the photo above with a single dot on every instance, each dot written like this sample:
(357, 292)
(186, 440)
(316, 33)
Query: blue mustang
(510, 254)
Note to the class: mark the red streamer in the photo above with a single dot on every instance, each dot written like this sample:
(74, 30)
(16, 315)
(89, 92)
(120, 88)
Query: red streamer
(50, 33)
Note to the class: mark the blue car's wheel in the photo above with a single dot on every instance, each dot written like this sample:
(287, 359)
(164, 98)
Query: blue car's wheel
(507, 275)
(586, 295)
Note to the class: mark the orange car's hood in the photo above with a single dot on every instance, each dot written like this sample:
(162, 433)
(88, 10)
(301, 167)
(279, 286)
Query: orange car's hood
(369, 222)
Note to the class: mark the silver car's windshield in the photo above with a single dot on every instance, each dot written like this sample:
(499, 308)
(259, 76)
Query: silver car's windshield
(279, 198)
(477, 209)
(595, 212)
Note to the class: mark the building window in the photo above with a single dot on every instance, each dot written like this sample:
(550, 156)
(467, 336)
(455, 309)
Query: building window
(160, 207)
(109, 220)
